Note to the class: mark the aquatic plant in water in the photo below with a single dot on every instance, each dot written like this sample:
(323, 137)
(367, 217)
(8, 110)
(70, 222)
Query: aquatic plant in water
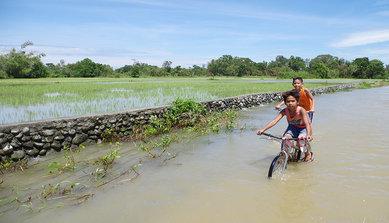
(186, 114)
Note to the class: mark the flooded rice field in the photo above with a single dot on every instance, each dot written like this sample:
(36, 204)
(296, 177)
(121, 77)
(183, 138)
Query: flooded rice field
(57, 105)
(34, 100)
(222, 178)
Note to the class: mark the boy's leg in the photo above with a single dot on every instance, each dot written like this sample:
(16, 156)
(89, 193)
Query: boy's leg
(302, 133)
(310, 115)
(302, 144)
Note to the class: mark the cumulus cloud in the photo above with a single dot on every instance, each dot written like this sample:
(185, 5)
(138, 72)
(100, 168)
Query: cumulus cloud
(363, 38)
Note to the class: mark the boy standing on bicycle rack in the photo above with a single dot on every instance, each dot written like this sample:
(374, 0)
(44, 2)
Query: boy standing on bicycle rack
(297, 117)
(306, 98)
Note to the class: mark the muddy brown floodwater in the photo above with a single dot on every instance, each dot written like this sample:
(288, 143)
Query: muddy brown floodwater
(222, 178)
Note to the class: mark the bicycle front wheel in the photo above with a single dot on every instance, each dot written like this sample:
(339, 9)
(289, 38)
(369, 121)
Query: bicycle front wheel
(278, 165)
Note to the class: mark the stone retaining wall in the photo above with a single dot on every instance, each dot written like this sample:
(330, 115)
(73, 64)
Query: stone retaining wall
(18, 141)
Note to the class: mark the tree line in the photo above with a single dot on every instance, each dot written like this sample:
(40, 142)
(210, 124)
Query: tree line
(19, 63)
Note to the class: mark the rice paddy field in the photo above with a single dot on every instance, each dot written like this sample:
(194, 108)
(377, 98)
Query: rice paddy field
(26, 100)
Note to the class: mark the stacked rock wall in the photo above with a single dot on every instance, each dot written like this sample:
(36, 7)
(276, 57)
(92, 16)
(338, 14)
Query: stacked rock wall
(36, 138)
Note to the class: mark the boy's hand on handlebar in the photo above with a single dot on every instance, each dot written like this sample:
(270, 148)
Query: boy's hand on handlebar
(259, 132)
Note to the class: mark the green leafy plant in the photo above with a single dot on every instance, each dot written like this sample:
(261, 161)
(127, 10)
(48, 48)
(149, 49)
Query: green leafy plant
(364, 85)
(69, 163)
(53, 167)
(59, 189)
(9, 165)
(108, 159)
(108, 135)
(5, 165)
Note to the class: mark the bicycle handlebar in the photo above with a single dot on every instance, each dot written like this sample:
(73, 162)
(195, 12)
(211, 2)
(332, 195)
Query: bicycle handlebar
(276, 137)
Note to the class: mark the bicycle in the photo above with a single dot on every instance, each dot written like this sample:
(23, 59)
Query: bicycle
(290, 152)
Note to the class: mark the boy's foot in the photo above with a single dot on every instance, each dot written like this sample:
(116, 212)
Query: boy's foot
(309, 157)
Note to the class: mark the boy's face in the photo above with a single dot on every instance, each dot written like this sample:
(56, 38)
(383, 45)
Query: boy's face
(297, 84)
(291, 102)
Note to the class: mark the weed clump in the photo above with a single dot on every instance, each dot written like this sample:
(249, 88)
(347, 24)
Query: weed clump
(182, 113)
(108, 159)
(188, 115)
(69, 163)
(109, 135)
(365, 85)
(11, 166)
(60, 189)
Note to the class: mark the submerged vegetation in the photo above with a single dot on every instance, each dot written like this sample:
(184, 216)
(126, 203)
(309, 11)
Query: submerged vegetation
(193, 120)
(12, 166)
(185, 120)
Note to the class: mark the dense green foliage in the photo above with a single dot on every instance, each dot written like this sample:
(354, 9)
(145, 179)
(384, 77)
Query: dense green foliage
(20, 64)
(83, 68)
(146, 70)
(233, 66)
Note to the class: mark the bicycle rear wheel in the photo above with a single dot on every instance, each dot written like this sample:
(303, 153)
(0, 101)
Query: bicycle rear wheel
(278, 165)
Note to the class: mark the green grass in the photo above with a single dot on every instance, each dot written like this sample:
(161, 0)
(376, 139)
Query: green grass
(17, 92)
(36, 99)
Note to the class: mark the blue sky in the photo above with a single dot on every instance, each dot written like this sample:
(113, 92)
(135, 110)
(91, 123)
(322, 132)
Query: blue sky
(189, 32)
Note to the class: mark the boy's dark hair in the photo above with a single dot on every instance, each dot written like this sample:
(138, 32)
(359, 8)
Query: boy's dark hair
(297, 78)
(292, 93)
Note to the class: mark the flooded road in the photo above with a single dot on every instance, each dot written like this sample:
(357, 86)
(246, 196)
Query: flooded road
(222, 178)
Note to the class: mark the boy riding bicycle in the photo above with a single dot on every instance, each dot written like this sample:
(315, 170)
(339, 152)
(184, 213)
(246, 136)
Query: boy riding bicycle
(298, 120)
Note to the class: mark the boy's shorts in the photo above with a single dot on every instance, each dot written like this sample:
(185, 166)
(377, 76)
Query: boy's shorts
(295, 132)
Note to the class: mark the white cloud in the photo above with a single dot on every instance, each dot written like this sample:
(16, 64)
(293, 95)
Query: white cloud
(363, 38)
(380, 51)
(239, 10)
(382, 13)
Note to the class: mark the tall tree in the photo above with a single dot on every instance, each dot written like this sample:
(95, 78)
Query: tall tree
(296, 63)
(360, 67)
(280, 61)
(167, 65)
(376, 69)
(320, 70)
(88, 68)
(22, 64)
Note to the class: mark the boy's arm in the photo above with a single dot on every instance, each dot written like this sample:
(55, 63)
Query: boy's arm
(311, 97)
(307, 124)
(271, 124)
(278, 106)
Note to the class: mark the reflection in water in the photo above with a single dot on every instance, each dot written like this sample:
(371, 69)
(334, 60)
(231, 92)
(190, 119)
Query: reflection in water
(222, 178)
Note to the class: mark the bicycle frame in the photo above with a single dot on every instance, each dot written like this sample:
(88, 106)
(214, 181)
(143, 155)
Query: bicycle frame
(290, 147)
(293, 150)
(290, 152)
